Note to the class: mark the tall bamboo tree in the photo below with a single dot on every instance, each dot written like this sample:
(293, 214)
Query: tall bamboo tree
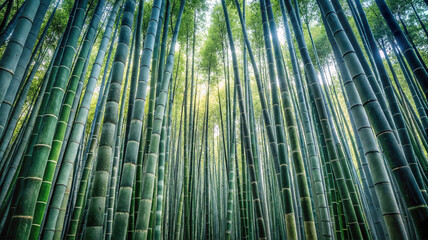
(78, 128)
(104, 157)
(121, 217)
(149, 168)
(249, 154)
(291, 127)
(59, 134)
(315, 91)
(14, 48)
(418, 69)
(393, 103)
(22, 64)
(23, 215)
(398, 164)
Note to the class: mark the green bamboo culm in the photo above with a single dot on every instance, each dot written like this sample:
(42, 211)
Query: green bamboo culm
(231, 178)
(400, 169)
(290, 125)
(45, 101)
(231, 165)
(94, 229)
(419, 71)
(383, 187)
(62, 122)
(135, 64)
(150, 167)
(9, 121)
(24, 60)
(402, 129)
(15, 47)
(76, 213)
(247, 143)
(77, 130)
(24, 213)
(118, 156)
(273, 146)
(161, 179)
(162, 173)
(59, 227)
(121, 217)
(151, 150)
(319, 185)
(277, 113)
(165, 140)
(153, 76)
(315, 91)
(136, 44)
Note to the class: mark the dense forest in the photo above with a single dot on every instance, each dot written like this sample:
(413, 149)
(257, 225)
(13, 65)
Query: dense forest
(203, 119)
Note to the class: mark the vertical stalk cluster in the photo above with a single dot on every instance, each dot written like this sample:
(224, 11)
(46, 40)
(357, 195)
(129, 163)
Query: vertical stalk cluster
(333, 145)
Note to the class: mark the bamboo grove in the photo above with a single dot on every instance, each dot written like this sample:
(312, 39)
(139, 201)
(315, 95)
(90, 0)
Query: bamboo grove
(228, 119)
